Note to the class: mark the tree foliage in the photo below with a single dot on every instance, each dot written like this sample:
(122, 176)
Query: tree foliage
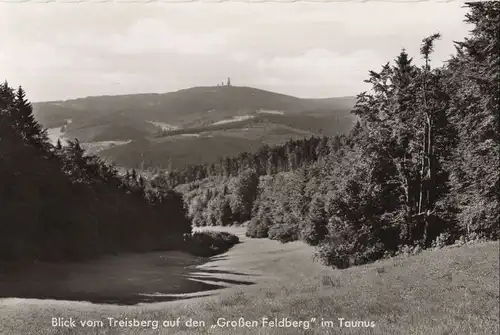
(420, 168)
(58, 203)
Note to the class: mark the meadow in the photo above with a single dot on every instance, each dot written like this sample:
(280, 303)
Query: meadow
(453, 290)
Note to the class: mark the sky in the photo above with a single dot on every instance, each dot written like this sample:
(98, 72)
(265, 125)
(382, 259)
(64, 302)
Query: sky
(58, 51)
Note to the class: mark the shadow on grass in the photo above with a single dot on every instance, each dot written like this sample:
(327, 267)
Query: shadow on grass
(221, 280)
(207, 270)
(126, 279)
(218, 258)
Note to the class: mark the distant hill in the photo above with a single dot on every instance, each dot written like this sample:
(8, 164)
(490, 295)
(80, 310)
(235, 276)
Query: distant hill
(193, 125)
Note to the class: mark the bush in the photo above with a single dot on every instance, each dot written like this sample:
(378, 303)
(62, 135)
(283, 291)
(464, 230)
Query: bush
(209, 243)
(442, 240)
(311, 235)
(344, 255)
(346, 245)
(408, 250)
(258, 229)
(283, 233)
(228, 238)
(471, 239)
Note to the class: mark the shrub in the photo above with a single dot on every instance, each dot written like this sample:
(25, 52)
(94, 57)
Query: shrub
(408, 250)
(283, 232)
(344, 255)
(345, 246)
(312, 235)
(442, 240)
(257, 229)
(209, 243)
(228, 238)
(470, 239)
(315, 226)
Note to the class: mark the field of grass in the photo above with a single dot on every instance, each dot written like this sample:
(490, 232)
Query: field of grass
(448, 291)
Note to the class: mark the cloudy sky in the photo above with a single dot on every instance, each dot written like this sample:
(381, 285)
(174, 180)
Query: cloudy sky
(67, 50)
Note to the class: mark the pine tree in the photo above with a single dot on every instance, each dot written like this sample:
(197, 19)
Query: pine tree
(473, 83)
(245, 193)
(70, 205)
(322, 148)
(226, 167)
(272, 162)
(25, 120)
(316, 227)
(427, 173)
(226, 214)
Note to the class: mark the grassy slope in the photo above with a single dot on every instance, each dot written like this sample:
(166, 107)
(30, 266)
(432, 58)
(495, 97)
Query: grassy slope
(448, 291)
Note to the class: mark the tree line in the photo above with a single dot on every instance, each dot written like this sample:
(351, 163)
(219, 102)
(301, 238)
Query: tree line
(419, 169)
(266, 160)
(57, 203)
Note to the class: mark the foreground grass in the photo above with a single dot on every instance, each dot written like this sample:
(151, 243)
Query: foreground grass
(447, 291)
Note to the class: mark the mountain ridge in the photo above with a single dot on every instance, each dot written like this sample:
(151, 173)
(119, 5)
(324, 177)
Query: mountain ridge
(183, 90)
(233, 114)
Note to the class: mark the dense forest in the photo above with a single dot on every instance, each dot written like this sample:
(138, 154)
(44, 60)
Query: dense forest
(420, 168)
(58, 203)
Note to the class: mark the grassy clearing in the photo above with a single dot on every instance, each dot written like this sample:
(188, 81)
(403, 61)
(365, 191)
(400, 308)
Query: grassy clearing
(447, 291)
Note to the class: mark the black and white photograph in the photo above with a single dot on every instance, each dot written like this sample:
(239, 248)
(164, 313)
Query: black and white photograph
(249, 167)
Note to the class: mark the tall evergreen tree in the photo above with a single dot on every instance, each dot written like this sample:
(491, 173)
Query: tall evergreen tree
(316, 226)
(473, 82)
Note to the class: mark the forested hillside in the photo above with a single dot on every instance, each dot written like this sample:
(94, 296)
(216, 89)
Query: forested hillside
(156, 130)
(421, 168)
(57, 203)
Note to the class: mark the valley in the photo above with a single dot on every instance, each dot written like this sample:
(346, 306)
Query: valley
(238, 210)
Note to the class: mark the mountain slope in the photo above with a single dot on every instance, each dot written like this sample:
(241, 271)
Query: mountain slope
(137, 122)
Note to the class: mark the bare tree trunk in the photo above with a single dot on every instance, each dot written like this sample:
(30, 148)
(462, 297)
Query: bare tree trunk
(426, 176)
(405, 185)
(423, 170)
(426, 210)
(427, 200)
